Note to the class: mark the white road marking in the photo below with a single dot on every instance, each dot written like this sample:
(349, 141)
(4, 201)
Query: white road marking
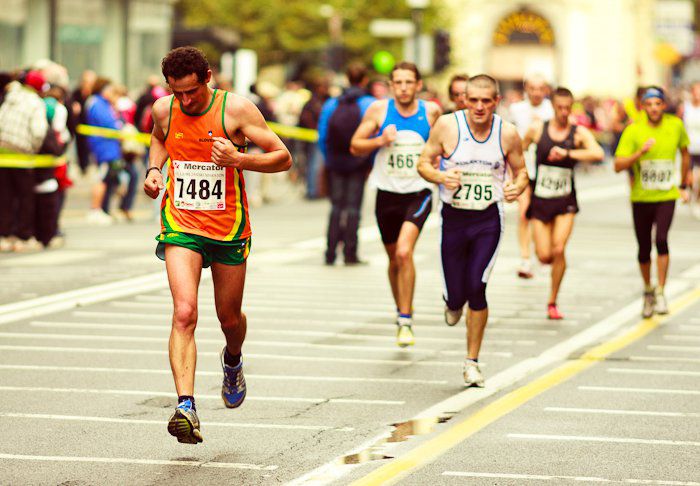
(249, 342)
(351, 336)
(95, 391)
(661, 391)
(240, 425)
(677, 337)
(618, 440)
(248, 376)
(315, 359)
(664, 359)
(145, 462)
(590, 479)
(603, 411)
(335, 469)
(51, 304)
(636, 371)
(683, 349)
(688, 327)
(441, 327)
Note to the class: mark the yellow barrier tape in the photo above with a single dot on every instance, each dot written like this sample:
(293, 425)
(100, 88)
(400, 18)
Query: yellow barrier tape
(285, 131)
(26, 161)
(92, 131)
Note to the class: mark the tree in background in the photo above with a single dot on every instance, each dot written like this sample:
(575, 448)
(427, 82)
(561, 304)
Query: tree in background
(283, 31)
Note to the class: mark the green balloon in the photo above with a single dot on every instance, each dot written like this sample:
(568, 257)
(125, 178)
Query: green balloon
(383, 62)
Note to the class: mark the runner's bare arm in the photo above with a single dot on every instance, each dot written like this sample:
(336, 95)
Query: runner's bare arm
(590, 150)
(513, 151)
(363, 141)
(532, 135)
(625, 162)
(157, 155)
(434, 148)
(242, 121)
(434, 112)
(686, 171)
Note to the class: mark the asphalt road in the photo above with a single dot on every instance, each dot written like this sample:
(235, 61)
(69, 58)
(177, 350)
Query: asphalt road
(87, 389)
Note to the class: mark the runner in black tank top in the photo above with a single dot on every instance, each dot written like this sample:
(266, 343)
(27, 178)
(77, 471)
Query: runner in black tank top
(554, 189)
(560, 145)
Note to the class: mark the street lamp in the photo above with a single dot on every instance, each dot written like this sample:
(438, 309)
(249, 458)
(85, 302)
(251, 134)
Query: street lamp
(417, 7)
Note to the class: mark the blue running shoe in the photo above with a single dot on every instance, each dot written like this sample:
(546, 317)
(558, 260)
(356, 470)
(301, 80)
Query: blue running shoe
(233, 389)
(184, 424)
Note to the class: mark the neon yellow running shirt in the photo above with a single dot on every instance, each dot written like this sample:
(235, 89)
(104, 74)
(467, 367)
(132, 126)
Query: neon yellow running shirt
(655, 173)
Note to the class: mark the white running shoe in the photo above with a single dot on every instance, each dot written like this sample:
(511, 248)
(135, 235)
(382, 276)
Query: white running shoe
(6, 245)
(472, 374)
(452, 317)
(404, 332)
(99, 218)
(649, 304)
(660, 304)
(525, 269)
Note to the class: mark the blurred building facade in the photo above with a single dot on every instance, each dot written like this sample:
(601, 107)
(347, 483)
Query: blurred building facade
(597, 47)
(121, 39)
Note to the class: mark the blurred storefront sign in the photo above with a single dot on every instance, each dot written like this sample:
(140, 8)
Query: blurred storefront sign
(673, 23)
(523, 27)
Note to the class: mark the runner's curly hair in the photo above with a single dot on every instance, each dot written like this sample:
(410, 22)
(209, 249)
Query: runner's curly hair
(183, 61)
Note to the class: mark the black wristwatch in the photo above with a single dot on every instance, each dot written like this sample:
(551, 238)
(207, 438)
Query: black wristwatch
(150, 169)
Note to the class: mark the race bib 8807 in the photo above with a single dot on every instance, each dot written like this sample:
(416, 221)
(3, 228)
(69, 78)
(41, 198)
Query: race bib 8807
(199, 186)
(657, 175)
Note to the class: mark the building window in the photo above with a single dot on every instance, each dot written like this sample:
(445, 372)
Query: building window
(13, 17)
(80, 32)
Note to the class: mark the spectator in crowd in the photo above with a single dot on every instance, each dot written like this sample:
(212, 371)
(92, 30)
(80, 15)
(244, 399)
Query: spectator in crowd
(23, 127)
(310, 114)
(48, 194)
(79, 116)
(458, 92)
(379, 88)
(107, 151)
(339, 119)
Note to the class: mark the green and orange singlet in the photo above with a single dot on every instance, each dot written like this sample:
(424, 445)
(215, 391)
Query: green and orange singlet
(201, 197)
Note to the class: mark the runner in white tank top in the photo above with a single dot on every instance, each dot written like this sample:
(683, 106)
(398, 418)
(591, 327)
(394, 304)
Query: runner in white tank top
(691, 119)
(466, 154)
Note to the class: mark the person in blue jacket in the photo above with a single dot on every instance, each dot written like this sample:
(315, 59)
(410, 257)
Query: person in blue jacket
(339, 118)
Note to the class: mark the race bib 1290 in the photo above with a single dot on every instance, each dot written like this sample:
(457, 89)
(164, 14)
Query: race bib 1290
(475, 191)
(199, 186)
(656, 175)
(553, 182)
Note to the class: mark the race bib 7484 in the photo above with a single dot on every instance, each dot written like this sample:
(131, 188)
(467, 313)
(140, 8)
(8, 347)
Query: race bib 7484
(199, 186)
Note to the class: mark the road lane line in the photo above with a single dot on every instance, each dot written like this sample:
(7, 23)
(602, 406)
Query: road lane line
(677, 337)
(441, 327)
(659, 391)
(95, 391)
(388, 338)
(636, 371)
(63, 301)
(428, 451)
(664, 359)
(248, 376)
(145, 462)
(313, 359)
(538, 477)
(249, 342)
(604, 411)
(617, 440)
(664, 347)
(114, 420)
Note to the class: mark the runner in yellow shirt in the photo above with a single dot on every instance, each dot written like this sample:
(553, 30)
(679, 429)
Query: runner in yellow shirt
(649, 147)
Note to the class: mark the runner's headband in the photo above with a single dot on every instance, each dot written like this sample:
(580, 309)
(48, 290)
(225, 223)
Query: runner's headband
(653, 93)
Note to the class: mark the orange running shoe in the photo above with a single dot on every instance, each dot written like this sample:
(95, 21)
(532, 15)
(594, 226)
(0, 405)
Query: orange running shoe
(553, 312)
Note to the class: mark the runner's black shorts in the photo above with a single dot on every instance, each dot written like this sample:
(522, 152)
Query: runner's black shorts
(393, 209)
(546, 210)
(695, 161)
